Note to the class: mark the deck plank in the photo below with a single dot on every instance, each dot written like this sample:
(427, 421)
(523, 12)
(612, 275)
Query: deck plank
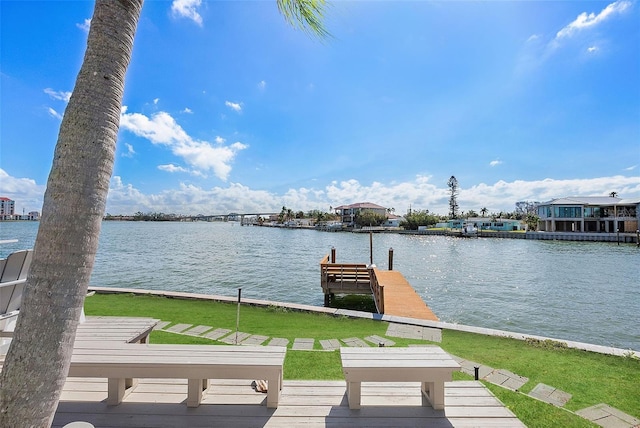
(160, 403)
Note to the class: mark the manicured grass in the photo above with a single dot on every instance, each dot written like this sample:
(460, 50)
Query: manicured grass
(535, 413)
(271, 321)
(591, 378)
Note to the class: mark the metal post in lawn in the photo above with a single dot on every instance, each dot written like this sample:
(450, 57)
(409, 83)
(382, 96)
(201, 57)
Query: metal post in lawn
(238, 313)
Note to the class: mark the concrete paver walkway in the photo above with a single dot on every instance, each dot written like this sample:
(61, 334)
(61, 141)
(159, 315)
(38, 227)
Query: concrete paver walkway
(550, 394)
(330, 344)
(407, 331)
(355, 342)
(303, 344)
(217, 333)
(608, 417)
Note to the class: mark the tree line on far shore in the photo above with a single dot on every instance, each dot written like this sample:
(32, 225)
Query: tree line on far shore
(525, 211)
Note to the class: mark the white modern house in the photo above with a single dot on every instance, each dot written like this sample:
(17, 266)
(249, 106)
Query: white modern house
(589, 214)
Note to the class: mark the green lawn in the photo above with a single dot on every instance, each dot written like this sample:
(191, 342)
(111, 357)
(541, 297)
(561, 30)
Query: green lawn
(591, 378)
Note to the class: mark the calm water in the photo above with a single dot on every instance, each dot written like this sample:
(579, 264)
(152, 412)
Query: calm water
(583, 291)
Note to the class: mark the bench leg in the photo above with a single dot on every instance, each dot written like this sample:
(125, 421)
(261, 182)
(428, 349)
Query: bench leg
(194, 391)
(117, 389)
(434, 392)
(273, 391)
(353, 394)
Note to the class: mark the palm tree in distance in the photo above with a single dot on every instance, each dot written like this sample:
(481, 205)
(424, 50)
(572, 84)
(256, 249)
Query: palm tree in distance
(483, 211)
(37, 363)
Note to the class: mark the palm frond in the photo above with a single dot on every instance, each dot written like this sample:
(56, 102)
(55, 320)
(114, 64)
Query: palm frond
(306, 15)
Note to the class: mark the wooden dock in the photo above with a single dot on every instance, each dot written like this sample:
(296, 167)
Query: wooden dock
(392, 293)
(398, 296)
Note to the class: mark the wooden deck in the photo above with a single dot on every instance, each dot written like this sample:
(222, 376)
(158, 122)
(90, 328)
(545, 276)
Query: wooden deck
(160, 403)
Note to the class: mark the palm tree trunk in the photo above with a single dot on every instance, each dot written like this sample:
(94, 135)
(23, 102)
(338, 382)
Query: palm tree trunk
(38, 360)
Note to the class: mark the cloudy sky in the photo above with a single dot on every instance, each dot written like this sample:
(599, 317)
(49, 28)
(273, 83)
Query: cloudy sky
(228, 108)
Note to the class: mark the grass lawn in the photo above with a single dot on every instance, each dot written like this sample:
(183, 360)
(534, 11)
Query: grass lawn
(591, 378)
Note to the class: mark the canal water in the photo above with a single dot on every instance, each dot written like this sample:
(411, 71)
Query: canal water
(582, 291)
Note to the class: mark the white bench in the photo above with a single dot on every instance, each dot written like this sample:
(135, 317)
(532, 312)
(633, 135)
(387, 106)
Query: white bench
(122, 363)
(430, 366)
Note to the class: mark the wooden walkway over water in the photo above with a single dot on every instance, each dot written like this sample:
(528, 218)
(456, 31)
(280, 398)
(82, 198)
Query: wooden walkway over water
(391, 292)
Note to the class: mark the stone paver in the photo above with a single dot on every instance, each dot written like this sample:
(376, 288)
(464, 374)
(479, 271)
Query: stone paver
(406, 331)
(469, 367)
(330, 344)
(355, 342)
(608, 417)
(303, 344)
(217, 333)
(377, 340)
(198, 331)
(512, 381)
(178, 328)
(255, 339)
(234, 338)
(161, 325)
(550, 394)
(278, 341)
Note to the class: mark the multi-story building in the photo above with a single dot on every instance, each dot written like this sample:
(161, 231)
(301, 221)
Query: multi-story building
(348, 213)
(589, 214)
(7, 208)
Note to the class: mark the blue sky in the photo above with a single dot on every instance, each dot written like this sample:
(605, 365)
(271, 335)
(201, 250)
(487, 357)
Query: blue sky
(228, 108)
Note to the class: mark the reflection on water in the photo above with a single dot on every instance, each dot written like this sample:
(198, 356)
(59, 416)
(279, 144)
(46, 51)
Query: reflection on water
(582, 291)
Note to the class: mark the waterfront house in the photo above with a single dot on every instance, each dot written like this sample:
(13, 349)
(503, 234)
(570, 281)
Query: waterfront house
(589, 214)
(480, 223)
(348, 213)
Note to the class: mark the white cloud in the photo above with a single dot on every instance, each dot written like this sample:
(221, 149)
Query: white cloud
(129, 152)
(54, 113)
(85, 25)
(533, 37)
(25, 192)
(162, 129)
(156, 101)
(220, 140)
(495, 162)
(420, 193)
(592, 49)
(631, 168)
(584, 20)
(172, 168)
(187, 110)
(234, 106)
(58, 95)
(187, 9)
(262, 85)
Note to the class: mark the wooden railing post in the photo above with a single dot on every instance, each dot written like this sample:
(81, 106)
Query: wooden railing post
(390, 258)
(333, 254)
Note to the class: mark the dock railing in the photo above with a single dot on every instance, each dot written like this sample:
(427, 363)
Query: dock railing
(378, 291)
(343, 278)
